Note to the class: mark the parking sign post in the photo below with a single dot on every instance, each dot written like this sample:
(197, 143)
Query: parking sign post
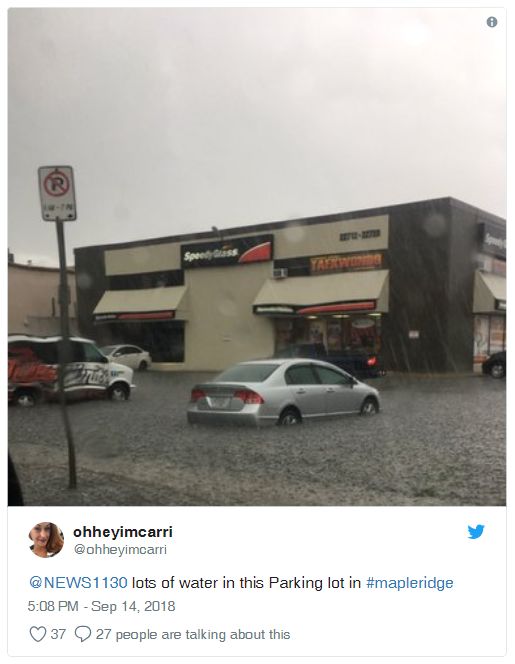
(64, 298)
(58, 204)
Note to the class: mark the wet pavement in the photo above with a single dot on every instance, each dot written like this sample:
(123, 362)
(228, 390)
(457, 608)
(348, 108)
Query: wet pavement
(439, 440)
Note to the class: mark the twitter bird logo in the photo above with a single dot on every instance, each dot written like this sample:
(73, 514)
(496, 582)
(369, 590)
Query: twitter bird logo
(476, 532)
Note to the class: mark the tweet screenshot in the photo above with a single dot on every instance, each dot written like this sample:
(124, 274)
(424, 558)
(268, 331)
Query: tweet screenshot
(257, 330)
(265, 581)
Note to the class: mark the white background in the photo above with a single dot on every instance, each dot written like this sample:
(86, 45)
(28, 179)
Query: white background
(450, 543)
(317, 543)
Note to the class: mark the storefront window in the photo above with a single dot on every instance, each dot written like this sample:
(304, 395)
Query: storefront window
(283, 333)
(317, 333)
(481, 338)
(364, 333)
(496, 334)
(164, 341)
(489, 336)
(336, 333)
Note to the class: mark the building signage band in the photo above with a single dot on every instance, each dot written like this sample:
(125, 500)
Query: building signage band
(360, 235)
(345, 262)
(333, 308)
(134, 316)
(493, 239)
(273, 309)
(236, 251)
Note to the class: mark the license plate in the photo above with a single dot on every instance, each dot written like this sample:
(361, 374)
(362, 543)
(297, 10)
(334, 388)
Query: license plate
(220, 402)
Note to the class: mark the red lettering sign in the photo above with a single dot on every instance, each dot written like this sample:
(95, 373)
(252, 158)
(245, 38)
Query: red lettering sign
(342, 263)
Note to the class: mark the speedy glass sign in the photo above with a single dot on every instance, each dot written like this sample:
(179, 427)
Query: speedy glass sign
(228, 252)
(57, 193)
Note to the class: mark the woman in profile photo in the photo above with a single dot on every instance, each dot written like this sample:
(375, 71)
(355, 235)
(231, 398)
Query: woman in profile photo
(47, 539)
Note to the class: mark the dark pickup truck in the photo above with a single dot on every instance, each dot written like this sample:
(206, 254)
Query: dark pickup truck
(358, 362)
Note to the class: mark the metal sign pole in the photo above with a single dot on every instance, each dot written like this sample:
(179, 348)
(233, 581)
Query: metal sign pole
(57, 193)
(64, 355)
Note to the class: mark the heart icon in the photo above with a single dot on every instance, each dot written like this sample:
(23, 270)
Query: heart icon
(38, 633)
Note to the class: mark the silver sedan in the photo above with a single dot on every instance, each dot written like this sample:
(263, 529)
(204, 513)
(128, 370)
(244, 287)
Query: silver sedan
(280, 391)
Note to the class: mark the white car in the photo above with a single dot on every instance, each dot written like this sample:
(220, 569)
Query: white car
(128, 355)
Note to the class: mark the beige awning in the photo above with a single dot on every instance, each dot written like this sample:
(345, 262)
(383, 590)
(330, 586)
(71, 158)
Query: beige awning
(489, 293)
(353, 291)
(141, 304)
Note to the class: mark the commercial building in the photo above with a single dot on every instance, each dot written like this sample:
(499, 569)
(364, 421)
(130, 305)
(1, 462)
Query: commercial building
(33, 299)
(422, 283)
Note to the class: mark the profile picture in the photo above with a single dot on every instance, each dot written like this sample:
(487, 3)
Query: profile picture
(46, 539)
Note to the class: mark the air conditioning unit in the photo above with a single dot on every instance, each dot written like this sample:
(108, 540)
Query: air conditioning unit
(280, 272)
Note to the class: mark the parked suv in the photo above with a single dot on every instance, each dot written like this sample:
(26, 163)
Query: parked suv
(33, 371)
(356, 361)
(495, 365)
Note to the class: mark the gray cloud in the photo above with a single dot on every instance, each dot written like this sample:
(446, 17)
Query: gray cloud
(179, 119)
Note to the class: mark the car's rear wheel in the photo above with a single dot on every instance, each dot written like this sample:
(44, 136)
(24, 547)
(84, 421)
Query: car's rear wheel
(143, 365)
(25, 398)
(289, 416)
(369, 407)
(119, 392)
(497, 370)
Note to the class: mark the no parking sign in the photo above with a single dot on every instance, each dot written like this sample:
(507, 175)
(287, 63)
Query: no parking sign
(57, 193)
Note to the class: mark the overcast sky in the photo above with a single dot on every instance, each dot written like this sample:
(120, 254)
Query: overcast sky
(176, 120)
